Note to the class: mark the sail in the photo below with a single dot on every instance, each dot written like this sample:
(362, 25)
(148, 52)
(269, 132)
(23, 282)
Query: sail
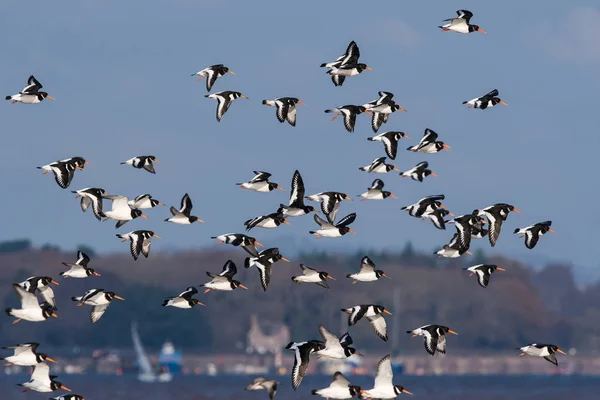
(142, 359)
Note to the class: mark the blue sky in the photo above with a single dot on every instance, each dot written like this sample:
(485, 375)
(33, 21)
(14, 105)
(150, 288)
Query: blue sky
(123, 88)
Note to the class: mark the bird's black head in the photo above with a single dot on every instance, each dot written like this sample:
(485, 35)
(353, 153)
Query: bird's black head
(236, 284)
(399, 389)
(56, 385)
(354, 390)
(193, 218)
(273, 186)
(308, 209)
(136, 213)
(345, 229)
(360, 109)
(153, 158)
(112, 295)
(348, 351)
(379, 273)
(44, 95)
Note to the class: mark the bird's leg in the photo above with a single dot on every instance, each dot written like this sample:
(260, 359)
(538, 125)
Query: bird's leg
(354, 282)
(471, 274)
(220, 242)
(13, 102)
(7, 364)
(16, 320)
(207, 290)
(521, 355)
(334, 117)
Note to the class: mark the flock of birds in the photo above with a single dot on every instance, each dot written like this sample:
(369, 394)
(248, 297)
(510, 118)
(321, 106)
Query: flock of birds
(469, 226)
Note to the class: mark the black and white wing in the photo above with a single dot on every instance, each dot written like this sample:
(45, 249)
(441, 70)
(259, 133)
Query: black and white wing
(85, 203)
(495, 224)
(349, 119)
(186, 205)
(48, 295)
(330, 206)
(441, 344)
(531, 238)
(98, 312)
(211, 78)
(339, 381)
(28, 299)
(366, 265)
(33, 86)
(229, 269)
(347, 220)
(188, 293)
(390, 143)
(297, 193)
(223, 106)
(330, 339)
(483, 277)
(146, 242)
(308, 271)
(428, 137)
(352, 54)
(465, 14)
(384, 375)
(264, 271)
(260, 176)
(301, 359)
(63, 174)
(379, 326)
(357, 313)
(376, 121)
(291, 114)
(282, 109)
(377, 185)
(552, 359)
(321, 222)
(82, 258)
(338, 80)
(493, 93)
(430, 341)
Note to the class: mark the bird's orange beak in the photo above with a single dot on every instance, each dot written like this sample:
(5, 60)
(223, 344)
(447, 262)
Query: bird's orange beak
(63, 387)
(403, 109)
(469, 253)
(503, 103)
(258, 243)
(97, 274)
(231, 72)
(50, 97)
(300, 102)
(118, 297)
(386, 275)
(348, 198)
(242, 286)
(369, 68)
(54, 282)
(280, 188)
(87, 162)
(446, 147)
(330, 277)
(393, 196)
(285, 259)
(156, 236)
(49, 359)
(433, 173)
(406, 391)
(143, 216)
(351, 231)
(387, 312)
(551, 230)
(358, 354)
(500, 269)
(54, 315)
(287, 223)
(452, 332)
(561, 352)
(397, 170)
(482, 31)
(368, 112)
(517, 211)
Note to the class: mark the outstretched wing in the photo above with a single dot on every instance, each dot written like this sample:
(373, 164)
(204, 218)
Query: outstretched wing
(229, 269)
(297, 194)
(33, 85)
(384, 372)
(347, 220)
(322, 223)
(98, 312)
(186, 205)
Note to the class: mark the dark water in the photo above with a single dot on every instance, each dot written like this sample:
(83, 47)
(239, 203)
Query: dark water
(232, 387)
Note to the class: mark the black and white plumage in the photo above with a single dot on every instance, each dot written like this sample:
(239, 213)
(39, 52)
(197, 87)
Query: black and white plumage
(425, 205)
(331, 230)
(296, 206)
(547, 351)
(452, 249)
(302, 352)
(376, 192)
(483, 271)
(464, 230)
(248, 243)
(41, 284)
(30, 309)
(25, 355)
(183, 300)
(390, 141)
(379, 166)
(139, 242)
(30, 94)
(270, 385)
(145, 162)
(382, 111)
(64, 170)
(339, 74)
(211, 74)
(533, 232)
(42, 381)
(330, 203)
(486, 101)
(340, 388)
(80, 268)
(225, 98)
(264, 263)
(384, 387)
(268, 221)
(367, 272)
(91, 196)
(434, 337)
(351, 56)
(183, 215)
(461, 24)
(384, 97)
(121, 211)
(478, 229)
(349, 112)
(496, 215)
(429, 143)
(336, 348)
(373, 313)
(144, 201)
(419, 172)
(99, 299)
(311, 275)
(285, 108)
(68, 397)
(224, 280)
(437, 218)
(260, 183)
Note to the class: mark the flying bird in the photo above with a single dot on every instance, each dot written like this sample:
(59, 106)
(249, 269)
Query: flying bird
(268, 221)
(30, 94)
(42, 381)
(340, 388)
(336, 348)
(121, 211)
(30, 309)
(68, 397)
(425, 205)
(211, 74)
(296, 207)
(434, 337)
(496, 215)
(349, 112)
(285, 108)
(483, 271)
(382, 111)
(429, 143)
(302, 352)
(25, 355)
(367, 272)
(339, 74)
(419, 172)
(373, 313)
(183, 300)
(390, 141)
(139, 242)
(485, 101)
(547, 351)
(99, 299)
(461, 24)
(379, 166)
(239, 239)
(145, 162)
(330, 202)
(311, 275)
(144, 201)
(64, 170)
(183, 215)
(264, 263)
(375, 192)
(94, 197)
(351, 56)
(225, 98)
(223, 281)
(533, 232)
(270, 385)
(437, 219)
(80, 268)
(384, 387)
(260, 183)
(327, 229)
(41, 284)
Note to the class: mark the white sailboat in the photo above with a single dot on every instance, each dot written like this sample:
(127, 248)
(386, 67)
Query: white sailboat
(146, 373)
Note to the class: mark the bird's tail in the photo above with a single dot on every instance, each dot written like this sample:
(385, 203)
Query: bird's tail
(8, 97)
(516, 230)
(8, 311)
(264, 102)
(165, 302)
(213, 237)
(39, 167)
(465, 102)
(323, 65)
(361, 168)
(348, 275)
(404, 208)
(314, 391)
(329, 111)
(76, 298)
(312, 232)
(370, 139)
(61, 273)
(120, 236)
(206, 95)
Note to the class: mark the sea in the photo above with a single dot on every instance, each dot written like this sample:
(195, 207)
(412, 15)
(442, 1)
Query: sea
(127, 387)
